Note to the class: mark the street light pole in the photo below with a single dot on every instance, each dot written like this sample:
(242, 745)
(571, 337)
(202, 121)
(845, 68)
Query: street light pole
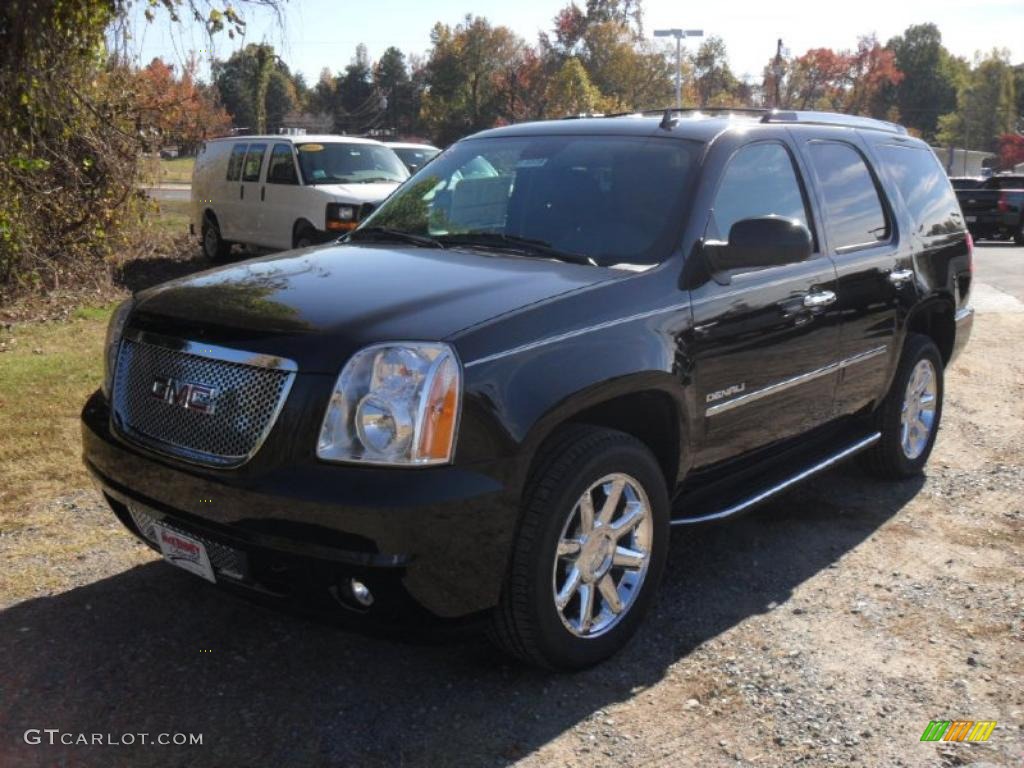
(679, 34)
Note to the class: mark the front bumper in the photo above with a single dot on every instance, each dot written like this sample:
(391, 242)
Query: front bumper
(429, 543)
(964, 319)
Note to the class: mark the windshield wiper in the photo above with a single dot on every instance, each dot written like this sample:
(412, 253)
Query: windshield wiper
(527, 245)
(383, 234)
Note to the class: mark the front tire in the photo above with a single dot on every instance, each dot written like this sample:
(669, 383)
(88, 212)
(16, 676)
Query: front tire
(909, 416)
(590, 551)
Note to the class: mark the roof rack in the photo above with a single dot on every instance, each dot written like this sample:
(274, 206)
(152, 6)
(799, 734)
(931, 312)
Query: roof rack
(832, 118)
(801, 117)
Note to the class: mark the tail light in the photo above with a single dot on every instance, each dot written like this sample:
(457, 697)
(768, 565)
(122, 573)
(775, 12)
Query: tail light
(970, 253)
(1004, 203)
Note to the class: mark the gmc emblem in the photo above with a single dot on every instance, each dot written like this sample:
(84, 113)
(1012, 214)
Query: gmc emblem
(184, 394)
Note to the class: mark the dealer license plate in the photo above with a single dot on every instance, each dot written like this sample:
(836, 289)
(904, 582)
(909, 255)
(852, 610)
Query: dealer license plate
(185, 552)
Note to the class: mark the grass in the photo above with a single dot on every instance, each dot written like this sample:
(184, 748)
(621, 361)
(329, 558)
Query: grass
(160, 171)
(46, 373)
(172, 216)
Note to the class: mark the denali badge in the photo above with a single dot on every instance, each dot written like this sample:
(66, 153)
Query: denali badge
(194, 397)
(735, 389)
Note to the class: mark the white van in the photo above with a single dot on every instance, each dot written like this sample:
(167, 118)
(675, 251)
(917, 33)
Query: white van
(287, 191)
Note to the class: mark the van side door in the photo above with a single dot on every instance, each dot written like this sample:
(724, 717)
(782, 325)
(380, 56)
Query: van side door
(280, 198)
(874, 268)
(226, 205)
(765, 339)
(247, 221)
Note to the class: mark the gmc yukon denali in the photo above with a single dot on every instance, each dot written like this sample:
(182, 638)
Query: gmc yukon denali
(487, 405)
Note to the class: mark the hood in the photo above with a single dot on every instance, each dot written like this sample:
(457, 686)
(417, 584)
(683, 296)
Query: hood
(358, 193)
(317, 306)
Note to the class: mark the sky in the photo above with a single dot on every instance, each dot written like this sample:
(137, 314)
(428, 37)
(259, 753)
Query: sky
(324, 33)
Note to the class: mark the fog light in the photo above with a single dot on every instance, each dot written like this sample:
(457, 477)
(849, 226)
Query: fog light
(361, 593)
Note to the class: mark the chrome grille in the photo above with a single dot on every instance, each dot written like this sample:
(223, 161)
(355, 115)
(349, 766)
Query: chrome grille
(248, 399)
(226, 560)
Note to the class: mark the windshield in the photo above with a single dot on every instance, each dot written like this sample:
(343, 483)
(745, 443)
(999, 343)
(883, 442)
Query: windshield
(414, 157)
(349, 163)
(608, 199)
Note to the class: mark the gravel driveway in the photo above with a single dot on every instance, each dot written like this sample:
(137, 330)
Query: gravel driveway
(827, 628)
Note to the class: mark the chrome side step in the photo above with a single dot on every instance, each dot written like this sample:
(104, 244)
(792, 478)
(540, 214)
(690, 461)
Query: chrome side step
(773, 490)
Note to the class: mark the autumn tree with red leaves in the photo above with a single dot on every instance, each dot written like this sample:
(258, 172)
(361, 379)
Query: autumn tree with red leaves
(176, 109)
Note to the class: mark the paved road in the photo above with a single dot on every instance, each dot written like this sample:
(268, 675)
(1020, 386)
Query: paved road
(1001, 266)
(169, 192)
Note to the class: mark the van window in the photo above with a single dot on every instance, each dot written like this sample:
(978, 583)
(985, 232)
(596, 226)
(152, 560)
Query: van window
(925, 190)
(760, 180)
(253, 162)
(282, 167)
(235, 161)
(854, 215)
(349, 163)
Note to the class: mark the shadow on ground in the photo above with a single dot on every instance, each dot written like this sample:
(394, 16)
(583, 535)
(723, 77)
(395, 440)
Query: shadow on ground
(155, 650)
(139, 274)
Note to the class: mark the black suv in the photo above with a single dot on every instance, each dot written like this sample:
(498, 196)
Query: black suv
(556, 340)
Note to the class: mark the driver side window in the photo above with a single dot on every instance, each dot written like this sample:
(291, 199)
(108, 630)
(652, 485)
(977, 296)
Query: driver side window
(760, 180)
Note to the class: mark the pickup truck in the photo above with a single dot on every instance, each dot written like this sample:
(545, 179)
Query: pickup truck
(995, 208)
(490, 401)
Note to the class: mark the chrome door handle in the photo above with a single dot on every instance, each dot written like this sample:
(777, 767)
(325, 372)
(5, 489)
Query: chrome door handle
(819, 299)
(900, 276)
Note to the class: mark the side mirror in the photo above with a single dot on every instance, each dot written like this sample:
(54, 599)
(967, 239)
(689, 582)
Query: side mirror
(768, 241)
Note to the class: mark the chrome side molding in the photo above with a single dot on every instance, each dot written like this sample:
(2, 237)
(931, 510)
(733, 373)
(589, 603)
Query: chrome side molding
(766, 494)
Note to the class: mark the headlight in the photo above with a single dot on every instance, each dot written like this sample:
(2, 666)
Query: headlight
(394, 404)
(115, 328)
(341, 216)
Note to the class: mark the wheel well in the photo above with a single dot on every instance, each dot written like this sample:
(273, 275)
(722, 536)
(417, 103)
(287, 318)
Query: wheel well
(208, 214)
(935, 320)
(300, 225)
(651, 417)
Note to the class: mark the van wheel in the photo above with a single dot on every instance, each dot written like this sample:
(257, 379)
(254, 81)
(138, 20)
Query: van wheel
(305, 236)
(214, 246)
(590, 551)
(909, 417)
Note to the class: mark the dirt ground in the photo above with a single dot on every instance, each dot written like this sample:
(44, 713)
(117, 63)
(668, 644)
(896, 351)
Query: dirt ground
(827, 628)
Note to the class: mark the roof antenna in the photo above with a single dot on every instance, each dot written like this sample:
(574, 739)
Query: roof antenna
(668, 122)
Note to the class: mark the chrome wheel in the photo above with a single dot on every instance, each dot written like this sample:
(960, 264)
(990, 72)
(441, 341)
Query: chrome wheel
(603, 555)
(919, 405)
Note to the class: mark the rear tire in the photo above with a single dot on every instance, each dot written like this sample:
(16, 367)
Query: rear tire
(909, 416)
(214, 246)
(616, 559)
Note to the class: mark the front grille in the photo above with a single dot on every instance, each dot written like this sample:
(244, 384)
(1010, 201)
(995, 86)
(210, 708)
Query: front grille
(245, 407)
(226, 560)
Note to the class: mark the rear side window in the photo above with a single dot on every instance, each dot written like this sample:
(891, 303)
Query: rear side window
(235, 161)
(760, 180)
(922, 184)
(253, 162)
(282, 166)
(854, 215)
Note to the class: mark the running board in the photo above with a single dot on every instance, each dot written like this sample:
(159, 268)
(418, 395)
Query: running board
(779, 486)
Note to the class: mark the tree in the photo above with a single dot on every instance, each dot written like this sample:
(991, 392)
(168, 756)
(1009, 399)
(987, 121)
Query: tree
(629, 73)
(873, 77)
(570, 92)
(391, 79)
(256, 88)
(986, 105)
(714, 82)
(1011, 151)
(928, 88)
(463, 77)
(176, 110)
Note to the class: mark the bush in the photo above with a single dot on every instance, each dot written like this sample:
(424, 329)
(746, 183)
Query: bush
(68, 144)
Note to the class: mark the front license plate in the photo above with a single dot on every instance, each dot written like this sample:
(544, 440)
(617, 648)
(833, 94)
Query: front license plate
(969, 219)
(184, 552)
